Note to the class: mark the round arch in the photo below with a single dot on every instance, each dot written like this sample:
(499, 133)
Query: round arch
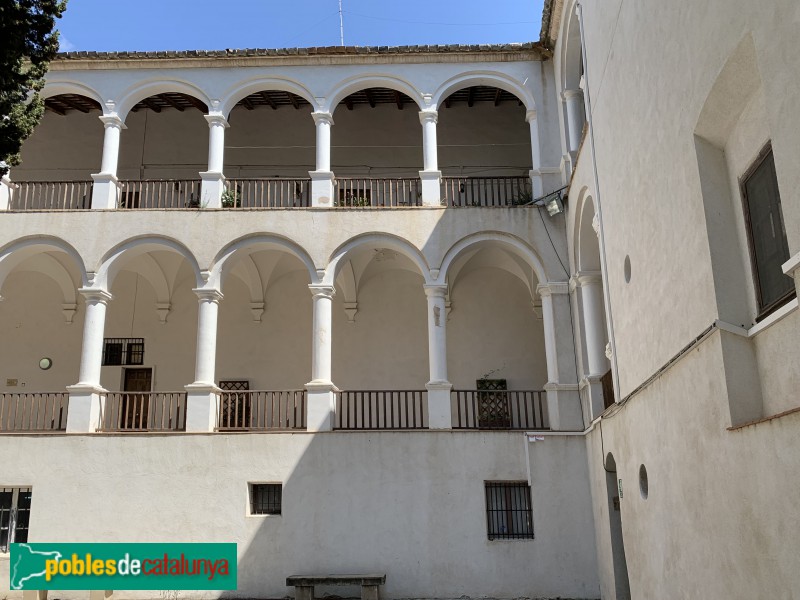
(382, 240)
(511, 243)
(242, 89)
(361, 82)
(227, 257)
(57, 88)
(586, 246)
(571, 50)
(129, 98)
(487, 78)
(15, 253)
(113, 261)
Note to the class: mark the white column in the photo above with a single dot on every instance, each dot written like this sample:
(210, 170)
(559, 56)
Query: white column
(5, 191)
(536, 155)
(87, 396)
(439, 413)
(575, 117)
(563, 401)
(321, 393)
(430, 176)
(214, 180)
(106, 185)
(322, 177)
(202, 399)
(591, 285)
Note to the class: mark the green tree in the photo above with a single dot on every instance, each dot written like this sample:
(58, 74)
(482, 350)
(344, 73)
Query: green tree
(28, 45)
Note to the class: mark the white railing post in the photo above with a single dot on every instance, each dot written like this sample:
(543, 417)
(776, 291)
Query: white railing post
(430, 176)
(321, 393)
(213, 185)
(322, 177)
(439, 413)
(106, 185)
(202, 396)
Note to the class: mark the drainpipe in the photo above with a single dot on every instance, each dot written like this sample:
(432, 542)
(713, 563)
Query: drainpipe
(598, 207)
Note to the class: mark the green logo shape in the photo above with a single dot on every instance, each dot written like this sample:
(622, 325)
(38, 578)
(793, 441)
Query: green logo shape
(122, 567)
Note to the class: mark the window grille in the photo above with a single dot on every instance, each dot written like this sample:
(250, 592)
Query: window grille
(235, 406)
(265, 498)
(493, 409)
(15, 510)
(508, 510)
(123, 351)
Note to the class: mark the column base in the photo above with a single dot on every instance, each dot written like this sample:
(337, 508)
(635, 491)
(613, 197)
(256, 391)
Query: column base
(431, 183)
(322, 189)
(440, 414)
(202, 407)
(536, 183)
(564, 407)
(211, 190)
(105, 191)
(320, 405)
(592, 399)
(86, 408)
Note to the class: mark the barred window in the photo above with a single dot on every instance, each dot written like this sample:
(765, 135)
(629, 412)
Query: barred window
(265, 498)
(508, 510)
(123, 351)
(15, 510)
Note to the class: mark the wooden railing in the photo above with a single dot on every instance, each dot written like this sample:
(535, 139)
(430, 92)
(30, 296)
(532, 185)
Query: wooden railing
(498, 409)
(486, 191)
(267, 193)
(372, 409)
(352, 192)
(262, 410)
(36, 411)
(51, 195)
(161, 193)
(144, 411)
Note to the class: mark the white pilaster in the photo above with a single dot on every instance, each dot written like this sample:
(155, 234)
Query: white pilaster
(591, 286)
(106, 185)
(575, 117)
(322, 177)
(213, 184)
(202, 398)
(321, 399)
(86, 398)
(563, 400)
(439, 413)
(536, 155)
(5, 192)
(430, 176)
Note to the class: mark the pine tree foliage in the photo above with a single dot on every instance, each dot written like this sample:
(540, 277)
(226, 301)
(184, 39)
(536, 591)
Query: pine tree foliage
(27, 45)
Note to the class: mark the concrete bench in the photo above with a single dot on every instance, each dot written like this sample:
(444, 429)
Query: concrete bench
(304, 584)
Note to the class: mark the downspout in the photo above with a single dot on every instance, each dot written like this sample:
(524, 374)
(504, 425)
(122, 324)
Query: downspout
(599, 211)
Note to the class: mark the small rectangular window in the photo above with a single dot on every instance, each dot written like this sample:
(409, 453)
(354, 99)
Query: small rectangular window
(15, 510)
(265, 498)
(123, 351)
(766, 233)
(508, 510)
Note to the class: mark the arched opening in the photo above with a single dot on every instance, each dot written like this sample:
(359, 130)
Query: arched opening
(379, 289)
(574, 114)
(41, 321)
(484, 147)
(60, 156)
(622, 588)
(376, 149)
(497, 361)
(162, 151)
(269, 150)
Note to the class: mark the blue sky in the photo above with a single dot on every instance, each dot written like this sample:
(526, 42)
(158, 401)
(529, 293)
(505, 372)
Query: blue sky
(212, 25)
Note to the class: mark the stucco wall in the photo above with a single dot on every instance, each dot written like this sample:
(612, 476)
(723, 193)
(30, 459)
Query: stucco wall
(411, 505)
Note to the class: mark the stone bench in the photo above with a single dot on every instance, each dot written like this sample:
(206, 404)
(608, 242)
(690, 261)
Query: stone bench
(304, 584)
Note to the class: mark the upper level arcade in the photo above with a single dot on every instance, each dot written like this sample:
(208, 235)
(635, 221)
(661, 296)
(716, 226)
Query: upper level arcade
(323, 127)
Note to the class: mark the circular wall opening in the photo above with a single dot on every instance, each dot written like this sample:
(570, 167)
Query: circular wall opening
(627, 269)
(643, 486)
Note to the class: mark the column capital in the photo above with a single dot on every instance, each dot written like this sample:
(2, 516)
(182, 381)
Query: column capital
(112, 120)
(435, 291)
(322, 291)
(551, 288)
(428, 116)
(97, 295)
(322, 117)
(570, 94)
(208, 295)
(216, 119)
(586, 278)
(530, 115)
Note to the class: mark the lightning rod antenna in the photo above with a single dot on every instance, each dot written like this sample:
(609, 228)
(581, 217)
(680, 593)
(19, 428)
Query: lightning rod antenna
(341, 24)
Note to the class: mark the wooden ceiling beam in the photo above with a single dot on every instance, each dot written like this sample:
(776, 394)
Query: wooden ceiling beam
(348, 102)
(170, 101)
(398, 98)
(151, 105)
(497, 96)
(447, 102)
(55, 109)
(196, 103)
(293, 100)
(72, 104)
(247, 104)
(268, 99)
(471, 97)
(370, 98)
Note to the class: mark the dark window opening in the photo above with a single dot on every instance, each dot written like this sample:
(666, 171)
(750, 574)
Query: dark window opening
(123, 351)
(15, 511)
(265, 498)
(508, 510)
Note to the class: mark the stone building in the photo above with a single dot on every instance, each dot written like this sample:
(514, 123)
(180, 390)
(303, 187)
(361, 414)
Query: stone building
(519, 324)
